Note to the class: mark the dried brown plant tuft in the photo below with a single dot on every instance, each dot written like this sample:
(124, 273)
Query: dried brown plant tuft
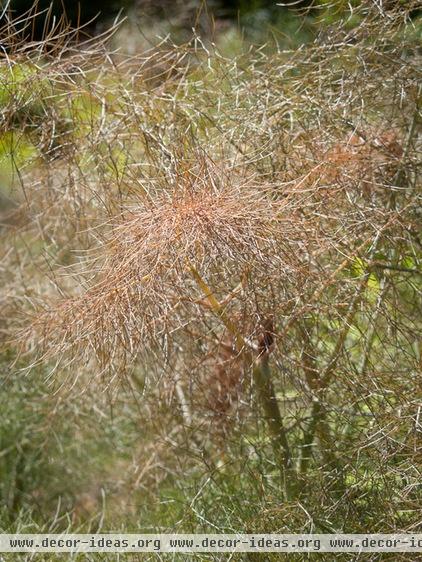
(140, 280)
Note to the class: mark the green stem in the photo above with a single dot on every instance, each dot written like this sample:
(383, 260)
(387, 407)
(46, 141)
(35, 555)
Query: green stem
(317, 424)
(266, 394)
(263, 382)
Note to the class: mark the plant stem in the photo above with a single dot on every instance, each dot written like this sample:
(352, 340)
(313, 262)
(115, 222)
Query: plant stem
(313, 380)
(317, 424)
(262, 379)
(263, 382)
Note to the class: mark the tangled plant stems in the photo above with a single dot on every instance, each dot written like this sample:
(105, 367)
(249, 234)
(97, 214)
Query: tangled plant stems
(244, 223)
(262, 380)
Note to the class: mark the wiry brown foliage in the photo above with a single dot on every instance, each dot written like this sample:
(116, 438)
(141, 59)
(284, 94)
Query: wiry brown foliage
(141, 281)
(223, 193)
